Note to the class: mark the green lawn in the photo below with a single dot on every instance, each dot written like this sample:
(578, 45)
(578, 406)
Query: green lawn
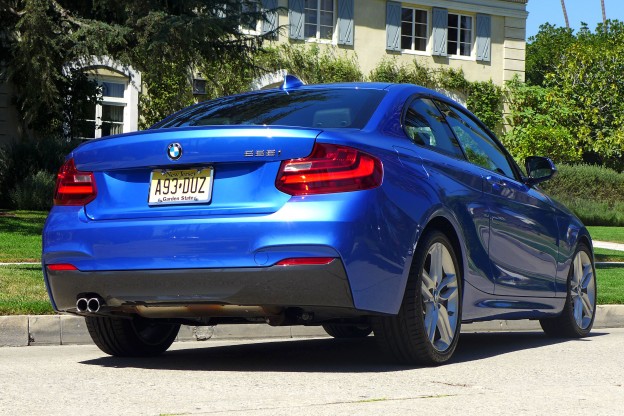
(20, 235)
(22, 291)
(610, 285)
(602, 254)
(610, 234)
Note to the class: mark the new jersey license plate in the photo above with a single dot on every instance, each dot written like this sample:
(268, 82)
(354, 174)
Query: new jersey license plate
(188, 186)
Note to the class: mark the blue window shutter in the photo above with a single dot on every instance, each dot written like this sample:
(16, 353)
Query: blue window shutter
(440, 31)
(270, 23)
(484, 37)
(345, 22)
(393, 26)
(296, 19)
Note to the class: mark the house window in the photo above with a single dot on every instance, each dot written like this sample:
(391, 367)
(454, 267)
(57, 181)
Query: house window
(251, 25)
(414, 29)
(319, 19)
(459, 35)
(107, 115)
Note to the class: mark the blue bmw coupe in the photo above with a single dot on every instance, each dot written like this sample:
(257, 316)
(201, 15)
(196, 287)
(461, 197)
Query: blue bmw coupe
(359, 207)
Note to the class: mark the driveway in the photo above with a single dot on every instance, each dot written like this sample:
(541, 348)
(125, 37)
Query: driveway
(492, 373)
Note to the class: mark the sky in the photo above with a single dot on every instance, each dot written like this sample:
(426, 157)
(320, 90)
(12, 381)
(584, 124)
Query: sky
(588, 11)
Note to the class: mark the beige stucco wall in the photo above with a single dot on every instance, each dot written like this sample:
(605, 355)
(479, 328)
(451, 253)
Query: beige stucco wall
(507, 37)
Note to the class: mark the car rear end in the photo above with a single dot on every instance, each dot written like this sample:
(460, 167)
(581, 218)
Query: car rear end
(223, 223)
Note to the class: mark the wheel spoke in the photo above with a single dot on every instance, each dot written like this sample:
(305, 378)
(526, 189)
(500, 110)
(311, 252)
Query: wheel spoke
(427, 281)
(588, 276)
(426, 294)
(436, 263)
(444, 325)
(588, 308)
(578, 311)
(448, 288)
(431, 322)
(578, 272)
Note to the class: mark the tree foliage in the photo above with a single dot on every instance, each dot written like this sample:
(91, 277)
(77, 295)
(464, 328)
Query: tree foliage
(574, 108)
(45, 39)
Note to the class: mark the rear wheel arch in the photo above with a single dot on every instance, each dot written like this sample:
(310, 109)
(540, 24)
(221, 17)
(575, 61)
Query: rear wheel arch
(445, 226)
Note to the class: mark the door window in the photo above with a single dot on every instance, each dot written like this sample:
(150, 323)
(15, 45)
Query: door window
(478, 146)
(425, 126)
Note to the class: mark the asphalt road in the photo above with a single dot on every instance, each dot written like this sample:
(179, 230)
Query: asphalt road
(492, 373)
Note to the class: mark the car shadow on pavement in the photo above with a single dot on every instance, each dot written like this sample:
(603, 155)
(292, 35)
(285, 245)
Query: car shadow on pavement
(319, 355)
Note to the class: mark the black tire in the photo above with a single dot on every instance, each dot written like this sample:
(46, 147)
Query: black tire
(566, 325)
(135, 337)
(348, 330)
(404, 337)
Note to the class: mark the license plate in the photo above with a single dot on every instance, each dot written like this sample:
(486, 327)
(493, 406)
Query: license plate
(188, 186)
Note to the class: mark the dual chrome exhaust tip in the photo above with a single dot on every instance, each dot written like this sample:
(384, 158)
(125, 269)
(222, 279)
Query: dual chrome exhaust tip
(90, 305)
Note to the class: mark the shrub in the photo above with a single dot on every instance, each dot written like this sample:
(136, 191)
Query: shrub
(35, 192)
(484, 99)
(24, 158)
(595, 194)
(312, 64)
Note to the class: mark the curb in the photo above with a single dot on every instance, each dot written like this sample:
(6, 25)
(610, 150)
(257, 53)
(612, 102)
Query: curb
(39, 330)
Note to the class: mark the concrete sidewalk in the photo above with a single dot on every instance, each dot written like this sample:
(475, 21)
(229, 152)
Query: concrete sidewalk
(607, 245)
(19, 331)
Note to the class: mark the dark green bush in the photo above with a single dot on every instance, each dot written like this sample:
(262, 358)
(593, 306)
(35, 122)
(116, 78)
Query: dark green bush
(24, 158)
(35, 192)
(484, 99)
(595, 194)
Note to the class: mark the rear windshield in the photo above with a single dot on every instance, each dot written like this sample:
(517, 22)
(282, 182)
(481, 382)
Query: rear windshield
(318, 108)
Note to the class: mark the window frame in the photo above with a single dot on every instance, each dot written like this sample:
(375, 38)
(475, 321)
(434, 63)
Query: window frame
(257, 7)
(518, 176)
(110, 101)
(458, 55)
(413, 35)
(318, 38)
(408, 103)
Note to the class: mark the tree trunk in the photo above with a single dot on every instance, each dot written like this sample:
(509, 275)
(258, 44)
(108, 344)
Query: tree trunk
(604, 13)
(565, 14)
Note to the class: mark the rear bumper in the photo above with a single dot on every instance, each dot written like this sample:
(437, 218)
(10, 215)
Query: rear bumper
(281, 286)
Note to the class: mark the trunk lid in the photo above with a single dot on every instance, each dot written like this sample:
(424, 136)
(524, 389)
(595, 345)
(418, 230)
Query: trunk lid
(244, 162)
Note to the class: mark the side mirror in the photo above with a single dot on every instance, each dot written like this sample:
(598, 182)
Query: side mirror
(539, 169)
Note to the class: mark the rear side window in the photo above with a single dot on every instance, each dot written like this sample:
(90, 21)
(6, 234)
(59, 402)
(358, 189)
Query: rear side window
(316, 108)
(425, 126)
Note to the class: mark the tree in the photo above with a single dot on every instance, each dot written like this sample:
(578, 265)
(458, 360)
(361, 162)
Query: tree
(604, 13)
(545, 51)
(574, 107)
(46, 40)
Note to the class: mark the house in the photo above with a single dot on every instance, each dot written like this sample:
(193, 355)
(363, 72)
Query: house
(485, 38)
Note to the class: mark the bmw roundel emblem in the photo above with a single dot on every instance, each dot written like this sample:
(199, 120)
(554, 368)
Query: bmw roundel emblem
(174, 151)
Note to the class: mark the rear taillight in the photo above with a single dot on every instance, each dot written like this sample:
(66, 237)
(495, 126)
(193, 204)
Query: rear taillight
(74, 187)
(330, 168)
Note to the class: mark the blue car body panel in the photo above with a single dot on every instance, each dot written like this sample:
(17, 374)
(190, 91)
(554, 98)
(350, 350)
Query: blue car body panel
(515, 243)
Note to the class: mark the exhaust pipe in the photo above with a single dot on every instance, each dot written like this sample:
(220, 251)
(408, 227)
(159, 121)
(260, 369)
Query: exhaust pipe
(93, 305)
(82, 304)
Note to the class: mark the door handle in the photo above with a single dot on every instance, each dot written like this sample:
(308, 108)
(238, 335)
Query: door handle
(496, 182)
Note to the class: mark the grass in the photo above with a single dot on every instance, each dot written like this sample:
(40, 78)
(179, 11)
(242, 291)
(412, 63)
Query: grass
(20, 235)
(610, 281)
(22, 291)
(602, 254)
(610, 234)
